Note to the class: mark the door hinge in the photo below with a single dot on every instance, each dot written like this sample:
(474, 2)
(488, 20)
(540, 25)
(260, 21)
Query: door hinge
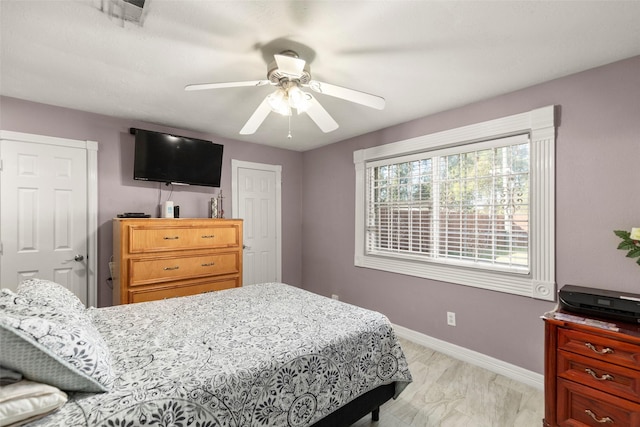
(0, 165)
(1, 248)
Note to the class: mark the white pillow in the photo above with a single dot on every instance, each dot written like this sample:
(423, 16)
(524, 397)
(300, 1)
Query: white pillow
(27, 401)
(45, 346)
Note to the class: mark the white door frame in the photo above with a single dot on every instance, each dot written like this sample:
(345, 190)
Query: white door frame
(91, 148)
(277, 169)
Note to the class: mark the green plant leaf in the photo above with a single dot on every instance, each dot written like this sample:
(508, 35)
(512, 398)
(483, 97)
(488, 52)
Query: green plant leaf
(622, 234)
(626, 245)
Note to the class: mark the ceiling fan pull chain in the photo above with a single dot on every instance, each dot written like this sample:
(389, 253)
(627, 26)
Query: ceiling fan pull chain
(289, 136)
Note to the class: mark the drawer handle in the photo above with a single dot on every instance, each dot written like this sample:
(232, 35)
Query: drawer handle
(208, 236)
(594, 349)
(598, 420)
(604, 377)
(208, 264)
(171, 268)
(171, 238)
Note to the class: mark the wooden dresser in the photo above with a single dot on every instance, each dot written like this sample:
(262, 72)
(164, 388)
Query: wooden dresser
(156, 258)
(592, 373)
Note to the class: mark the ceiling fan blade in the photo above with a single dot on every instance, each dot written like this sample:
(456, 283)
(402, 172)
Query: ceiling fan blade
(205, 86)
(356, 96)
(320, 116)
(256, 118)
(289, 65)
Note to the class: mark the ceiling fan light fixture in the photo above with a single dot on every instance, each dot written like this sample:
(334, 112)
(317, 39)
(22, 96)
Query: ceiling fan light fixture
(298, 99)
(279, 103)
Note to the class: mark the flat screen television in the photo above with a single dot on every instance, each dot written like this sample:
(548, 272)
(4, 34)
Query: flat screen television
(176, 159)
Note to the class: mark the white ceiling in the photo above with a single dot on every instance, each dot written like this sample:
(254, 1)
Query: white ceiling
(421, 56)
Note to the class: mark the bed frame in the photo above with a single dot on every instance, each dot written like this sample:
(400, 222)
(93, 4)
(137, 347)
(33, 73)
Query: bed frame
(369, 402)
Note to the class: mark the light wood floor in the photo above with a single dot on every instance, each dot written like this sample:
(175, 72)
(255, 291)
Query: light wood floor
(449, 393)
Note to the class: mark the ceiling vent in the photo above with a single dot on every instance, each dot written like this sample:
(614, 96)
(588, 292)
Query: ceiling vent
(124, 10)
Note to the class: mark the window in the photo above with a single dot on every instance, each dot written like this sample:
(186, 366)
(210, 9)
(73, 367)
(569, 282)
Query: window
(472, 206)
(467, 205)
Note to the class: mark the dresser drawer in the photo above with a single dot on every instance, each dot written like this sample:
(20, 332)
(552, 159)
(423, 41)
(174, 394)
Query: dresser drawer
(580, 406)
(142, 295)
(599, 347)
(606, 377)
(144, 239)
(144, 271)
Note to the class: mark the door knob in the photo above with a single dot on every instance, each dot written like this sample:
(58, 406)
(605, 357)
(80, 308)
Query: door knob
(78, 258)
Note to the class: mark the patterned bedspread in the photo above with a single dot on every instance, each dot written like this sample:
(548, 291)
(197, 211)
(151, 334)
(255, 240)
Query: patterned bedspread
(262, 355)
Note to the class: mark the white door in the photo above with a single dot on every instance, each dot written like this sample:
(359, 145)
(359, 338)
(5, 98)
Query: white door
(256, 199)
(44, 214)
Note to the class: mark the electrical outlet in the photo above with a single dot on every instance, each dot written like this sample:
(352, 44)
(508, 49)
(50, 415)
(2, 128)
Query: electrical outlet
(451, 318)
(335, 296)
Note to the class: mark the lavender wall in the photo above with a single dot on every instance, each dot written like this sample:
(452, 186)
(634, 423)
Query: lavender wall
(597, 164)
(118, 192)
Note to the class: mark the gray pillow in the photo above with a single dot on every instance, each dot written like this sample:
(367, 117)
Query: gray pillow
(50, 347)
(52, 294)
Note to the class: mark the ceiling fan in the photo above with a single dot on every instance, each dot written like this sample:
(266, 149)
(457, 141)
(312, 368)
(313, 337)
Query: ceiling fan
(289, 74)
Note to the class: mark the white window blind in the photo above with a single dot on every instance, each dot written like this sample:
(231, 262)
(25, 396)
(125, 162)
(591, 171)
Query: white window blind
(466, 205)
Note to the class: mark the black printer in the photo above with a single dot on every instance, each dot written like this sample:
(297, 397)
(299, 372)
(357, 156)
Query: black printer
(601, 303)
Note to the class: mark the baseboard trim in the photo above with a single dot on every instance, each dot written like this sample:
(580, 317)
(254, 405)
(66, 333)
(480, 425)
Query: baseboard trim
(492, 364)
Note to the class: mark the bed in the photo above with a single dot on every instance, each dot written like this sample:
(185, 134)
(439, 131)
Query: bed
(261, 355)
